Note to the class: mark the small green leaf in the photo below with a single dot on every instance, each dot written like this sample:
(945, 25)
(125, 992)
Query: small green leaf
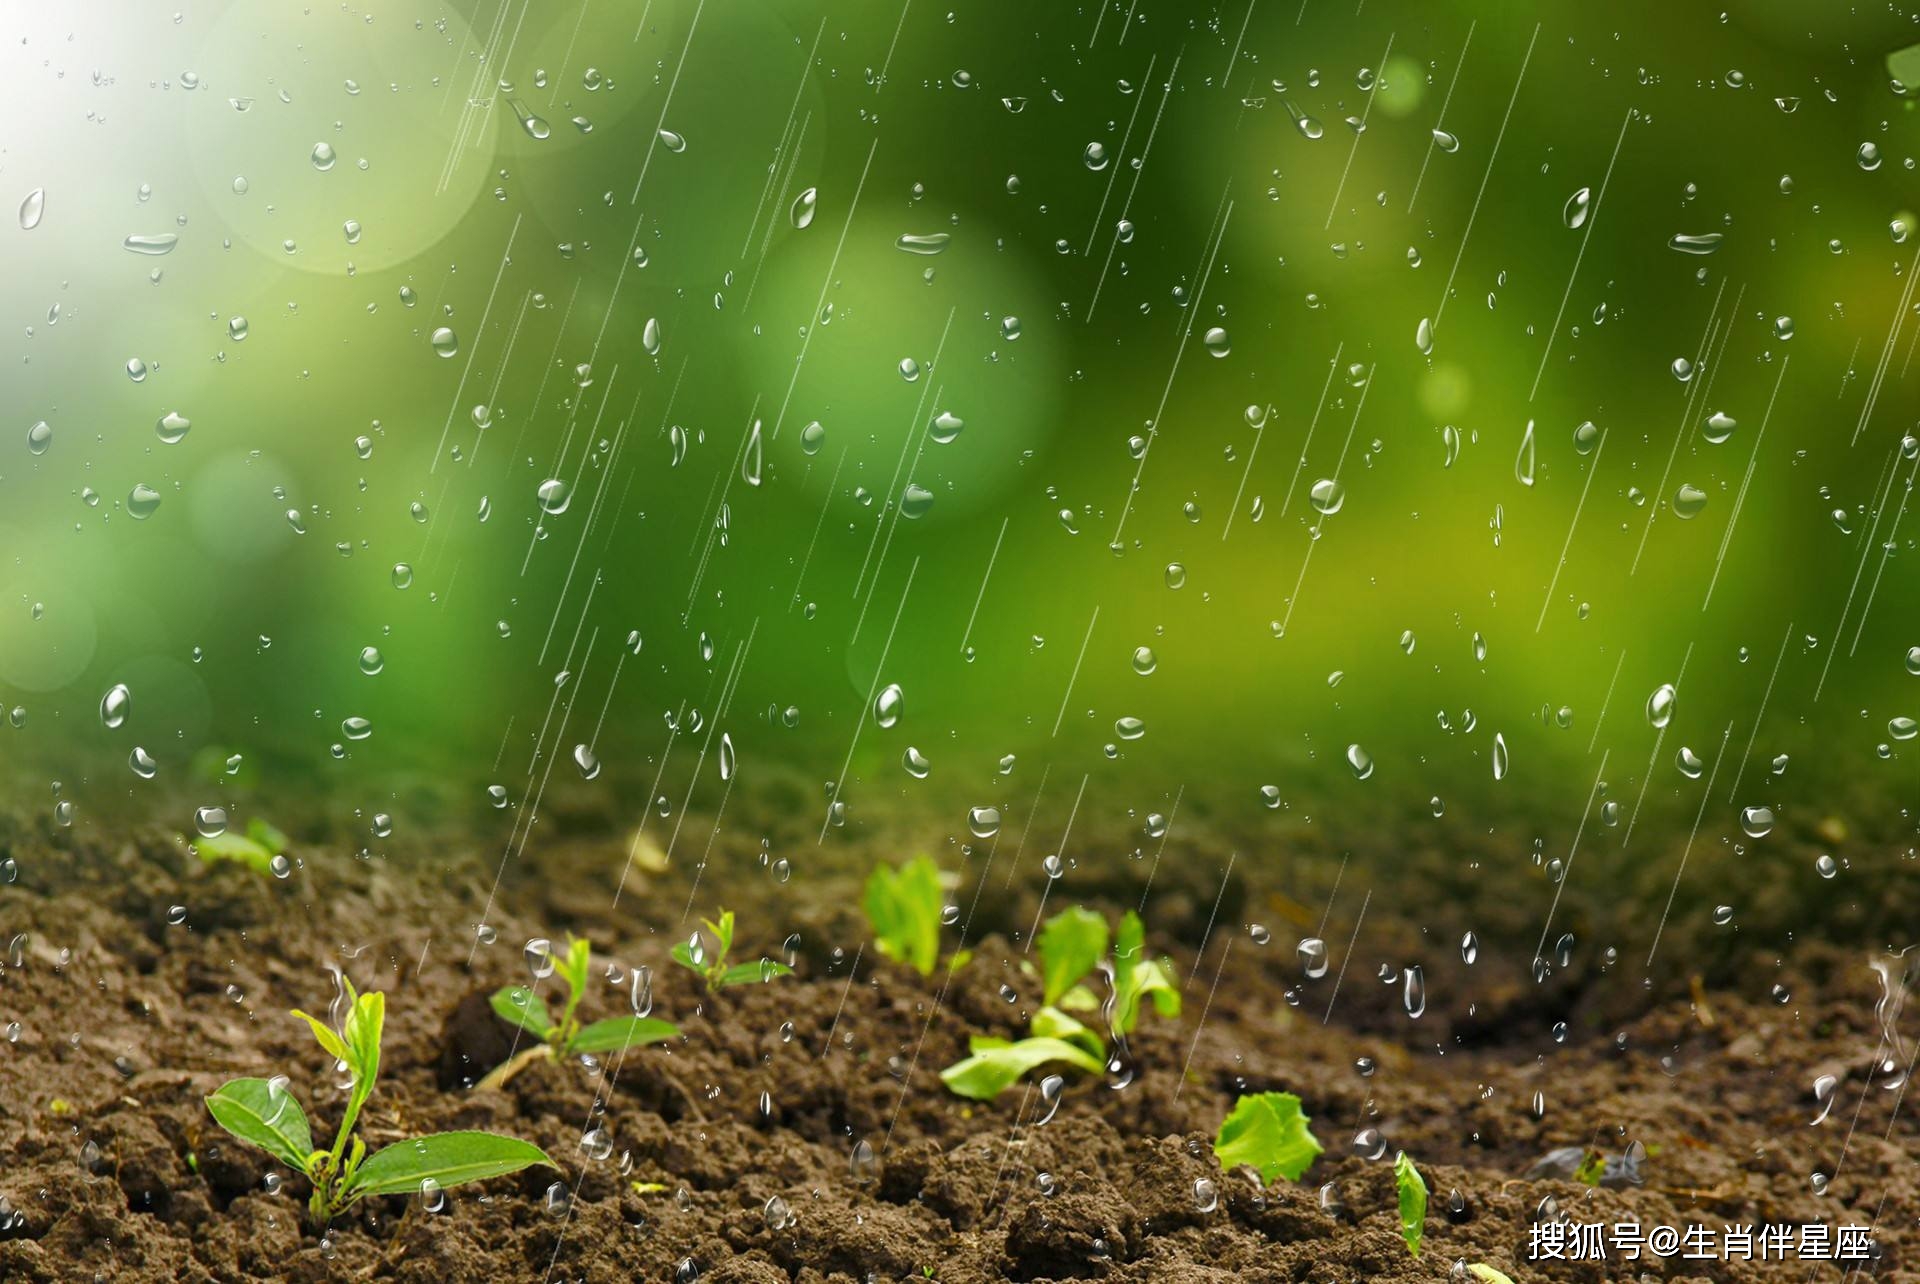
(264, 833)
(1413, 1201)
(1147, 980)
(722, 931)
(1593, 1166)
(237, 848)
(616, 1033)
(1079, 998)
(519, 1006)
(903, 907)
(329, 1039)
(747, 973)
(1052, 1023)
(264, 1114)
(366, 1019)
(450, 1158)
(1268, 1131)
(1486, 1274)
(997, 1065)
(573, 968)
(1903, 65)
(683, 955)
(1071, 944)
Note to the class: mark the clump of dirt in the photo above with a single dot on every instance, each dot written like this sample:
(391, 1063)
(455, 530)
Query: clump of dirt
(797, 1130)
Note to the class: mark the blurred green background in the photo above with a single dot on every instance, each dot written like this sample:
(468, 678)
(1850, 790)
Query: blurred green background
(606, 206)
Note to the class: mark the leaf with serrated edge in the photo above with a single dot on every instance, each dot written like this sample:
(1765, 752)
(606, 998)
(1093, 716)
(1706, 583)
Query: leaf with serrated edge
(449, 1158)
(261, 1115)
(517, 1005)
(623, 1032)
(1268, 1131)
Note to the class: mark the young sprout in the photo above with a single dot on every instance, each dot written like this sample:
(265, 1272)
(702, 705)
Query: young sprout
(713, 967)
(1268, 1132)
(263, 1113)
(904, 907)
(558, 1040)
(1072, 945)
(1412, 1188)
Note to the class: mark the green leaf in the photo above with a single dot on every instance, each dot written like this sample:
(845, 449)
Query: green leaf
(683, 955)
(623, 1032)
(366, 1019)
(1903, 65)
(722, 931)
(264, 1115)
(450, 1158)
(903, 907)
(1052, 1023)
(1148, 979)
(1079, 998)
(519, 1006)
(264, 833)
(237, 848)
(573, 968)
(747, 973)
(1268, 1131)
(1070, 947)
(328, 1038)
(997, 1065)
(1487, 1275)
(1413, 1201)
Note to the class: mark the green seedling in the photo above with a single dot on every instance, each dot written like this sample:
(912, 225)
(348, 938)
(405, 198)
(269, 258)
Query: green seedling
(1487, 1275)
(1072, 944)
(1413, 1201)
(1268, 1132)
(904, 907)
(263, 1113)
(255, 849)
(520, 1007)
(713, 967)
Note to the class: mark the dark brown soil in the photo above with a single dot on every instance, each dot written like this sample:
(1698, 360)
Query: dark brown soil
(113, 1170)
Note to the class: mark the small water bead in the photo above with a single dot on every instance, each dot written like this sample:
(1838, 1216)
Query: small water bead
(323, 156)
(142, 764)
(777, 1214)
(1369, 1145)
(39, 437)
(1756, 822)
(983, 822)
(1722, 915)
(1313, 957)
(237, 329)
(444, 341)
(142, 502)
(1689, 763)
(1660, 705)
(1360, 760)
(1206, 1196)
(1825, 866)
(1258, 933)
(115, 706)
(432, 1198)
(210, 822)
(1578, 206)
(538, 954)
(172, 427)
(1327, 496)
(888, 705)
(812, 437)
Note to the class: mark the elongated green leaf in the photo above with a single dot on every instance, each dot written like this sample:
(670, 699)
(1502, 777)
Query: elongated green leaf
(997, 1065)
(722, 931)
(328, 1037)
(1268, 1131)
(517, 1005)
(683, 955)
(903, 908)
(573, 968)
(448, 1157)
(1052, 1023)
(1147, 979)
(263, 1114)
(1070, 946)
(749, 973)
(1413, 1201)
(366, 1019)
(623, 1032)
(237, 848)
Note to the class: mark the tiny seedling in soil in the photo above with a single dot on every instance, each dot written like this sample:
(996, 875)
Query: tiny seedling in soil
(1413, 1201)
(263, 1113)
(261, 849)
(521, 1007)
(712, 964)
(1267, 1131)
(1073, 944)
(904, 907)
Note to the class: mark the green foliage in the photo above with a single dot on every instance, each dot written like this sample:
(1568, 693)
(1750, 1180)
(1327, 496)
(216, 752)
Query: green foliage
(519, 1006)
(903, 907)
(1413, 1201)
(1268, 1132)
(263, 1113)
(996, 1065)
(714, 967)
(1593, 1166)
(238, 848)
(1072, 944)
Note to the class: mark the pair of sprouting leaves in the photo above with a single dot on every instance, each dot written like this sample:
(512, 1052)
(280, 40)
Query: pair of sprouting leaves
(1073, 944)
(558, 1040)
(714, 965)
(1267, 1131)
(905, 907)
(264, 1113)
(256, 849)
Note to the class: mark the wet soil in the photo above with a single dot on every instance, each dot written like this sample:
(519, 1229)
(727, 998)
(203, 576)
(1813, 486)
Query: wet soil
(733, 1148)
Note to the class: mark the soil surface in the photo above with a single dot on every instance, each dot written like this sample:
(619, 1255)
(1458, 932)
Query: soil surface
(139, 979)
